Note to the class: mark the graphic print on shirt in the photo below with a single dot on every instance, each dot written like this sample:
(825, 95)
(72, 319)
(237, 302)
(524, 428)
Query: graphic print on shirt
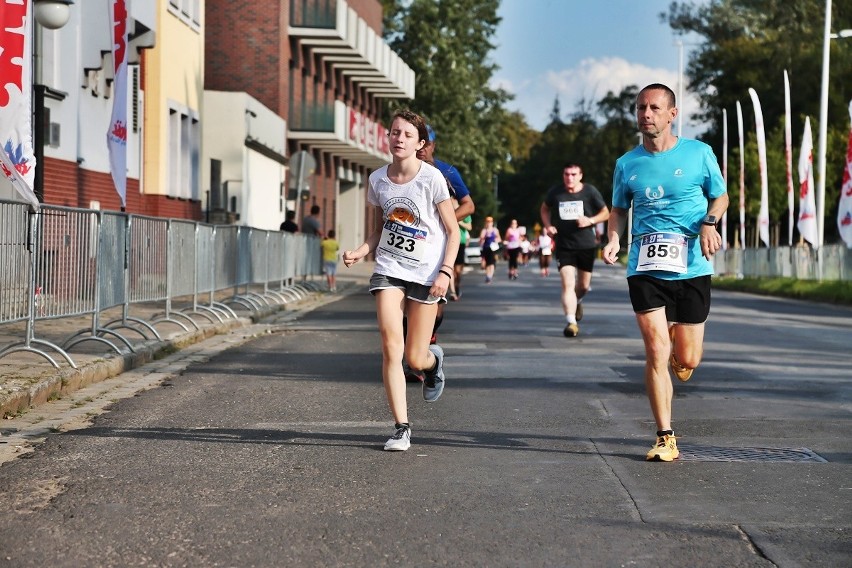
(654, 197)
(401, 238)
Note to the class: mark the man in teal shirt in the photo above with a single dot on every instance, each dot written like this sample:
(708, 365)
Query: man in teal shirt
(678, 195)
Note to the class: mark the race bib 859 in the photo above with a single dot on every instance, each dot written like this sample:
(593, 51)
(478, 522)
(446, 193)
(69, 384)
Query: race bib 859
(663, 251)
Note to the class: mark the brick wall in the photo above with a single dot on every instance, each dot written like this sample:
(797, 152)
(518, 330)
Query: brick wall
(243, 40)
(68, 185)
(371, 11)
(61, 184)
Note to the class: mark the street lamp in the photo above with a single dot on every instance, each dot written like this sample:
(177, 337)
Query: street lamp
(823, 122)
(51, 15)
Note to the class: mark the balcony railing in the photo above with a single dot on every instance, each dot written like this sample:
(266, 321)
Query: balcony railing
(311, 117)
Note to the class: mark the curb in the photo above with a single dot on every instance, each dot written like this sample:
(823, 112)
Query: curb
(67, 380)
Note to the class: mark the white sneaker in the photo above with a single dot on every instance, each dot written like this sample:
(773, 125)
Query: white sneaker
(401, 439)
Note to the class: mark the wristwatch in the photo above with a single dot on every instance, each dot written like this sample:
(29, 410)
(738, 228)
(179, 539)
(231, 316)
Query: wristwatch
(709, 220)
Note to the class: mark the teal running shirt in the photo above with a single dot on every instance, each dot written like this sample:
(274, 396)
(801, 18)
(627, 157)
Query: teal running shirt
(669, 192)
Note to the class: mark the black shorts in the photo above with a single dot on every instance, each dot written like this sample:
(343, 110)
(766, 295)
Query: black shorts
(582, 259)
(685, 301)
(488, 256)
(460, 256)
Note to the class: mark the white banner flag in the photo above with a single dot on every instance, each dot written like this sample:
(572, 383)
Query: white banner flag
(807, 204)
(16, 158)
(742, 176)
(725, 175)
(788, 156)
(763, 216)
(844, 208)
(117, 133)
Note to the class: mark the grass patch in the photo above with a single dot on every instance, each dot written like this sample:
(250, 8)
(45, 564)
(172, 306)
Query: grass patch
(831, 291)
(79, 403)
(165, 352)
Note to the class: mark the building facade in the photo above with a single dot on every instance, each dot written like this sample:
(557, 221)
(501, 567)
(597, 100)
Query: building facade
(323, 66)
(222, 94)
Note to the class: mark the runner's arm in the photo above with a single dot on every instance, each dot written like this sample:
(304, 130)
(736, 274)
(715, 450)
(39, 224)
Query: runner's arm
(615, 227)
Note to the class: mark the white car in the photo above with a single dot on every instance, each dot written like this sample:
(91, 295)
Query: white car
(472, 253)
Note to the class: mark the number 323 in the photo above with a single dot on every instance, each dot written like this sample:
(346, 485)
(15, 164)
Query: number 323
(400, 242)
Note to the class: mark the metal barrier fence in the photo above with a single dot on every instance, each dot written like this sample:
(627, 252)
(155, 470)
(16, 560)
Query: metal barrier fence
(831, 262)
(64, 262)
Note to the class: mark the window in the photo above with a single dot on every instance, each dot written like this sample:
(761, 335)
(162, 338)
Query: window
(134, 97)
(184, 151)
(188, 11)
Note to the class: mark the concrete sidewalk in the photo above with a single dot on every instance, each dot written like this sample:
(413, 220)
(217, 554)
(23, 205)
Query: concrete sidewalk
(28, 380)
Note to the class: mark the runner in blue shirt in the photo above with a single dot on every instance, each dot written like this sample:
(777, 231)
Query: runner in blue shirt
(461, 194)
(678, 195)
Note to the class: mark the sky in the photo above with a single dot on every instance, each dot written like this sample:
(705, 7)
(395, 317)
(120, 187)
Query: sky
(577, 49)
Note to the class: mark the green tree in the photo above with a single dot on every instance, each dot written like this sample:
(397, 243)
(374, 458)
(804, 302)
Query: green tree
(447, 44)
(749, 43)
(593, 136)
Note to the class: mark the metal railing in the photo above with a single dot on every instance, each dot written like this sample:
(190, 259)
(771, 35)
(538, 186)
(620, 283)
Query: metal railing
(831, 262)
(63, 262)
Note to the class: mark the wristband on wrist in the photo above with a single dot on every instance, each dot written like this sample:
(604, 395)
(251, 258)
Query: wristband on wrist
(446, 266)
(445, 273)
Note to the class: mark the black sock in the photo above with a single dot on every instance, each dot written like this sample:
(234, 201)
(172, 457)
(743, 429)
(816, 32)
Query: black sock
(438, 320)
(405, 425)
(662, 433)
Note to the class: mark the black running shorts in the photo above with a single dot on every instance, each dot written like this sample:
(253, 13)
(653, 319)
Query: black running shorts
(582, 259)
(488, 256)
(685, 301)
(460, 255)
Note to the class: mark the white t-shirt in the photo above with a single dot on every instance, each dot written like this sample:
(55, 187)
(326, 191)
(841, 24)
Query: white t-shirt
(414, 240)
(545, 243)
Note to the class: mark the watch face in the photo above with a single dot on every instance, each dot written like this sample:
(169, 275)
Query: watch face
(710, 220)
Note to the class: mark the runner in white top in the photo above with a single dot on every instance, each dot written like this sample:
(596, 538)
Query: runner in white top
(415, 239)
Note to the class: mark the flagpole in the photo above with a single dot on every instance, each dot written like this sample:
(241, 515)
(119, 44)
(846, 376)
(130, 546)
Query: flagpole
(725, 175)
(823, 131)
(680, 104)
(742, 177)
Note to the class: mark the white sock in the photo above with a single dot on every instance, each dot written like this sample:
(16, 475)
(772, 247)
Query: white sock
(571, 319)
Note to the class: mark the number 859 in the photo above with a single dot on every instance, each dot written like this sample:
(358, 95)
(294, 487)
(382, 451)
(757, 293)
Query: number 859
(663, 250)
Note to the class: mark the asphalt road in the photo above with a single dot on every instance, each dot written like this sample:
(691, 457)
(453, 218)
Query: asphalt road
(269, 453)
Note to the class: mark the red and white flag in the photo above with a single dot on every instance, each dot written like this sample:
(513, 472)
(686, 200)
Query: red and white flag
(763, 215)
(17, 161)
(807, 204)
(844, 208)
(117, 133)
(788, 156)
